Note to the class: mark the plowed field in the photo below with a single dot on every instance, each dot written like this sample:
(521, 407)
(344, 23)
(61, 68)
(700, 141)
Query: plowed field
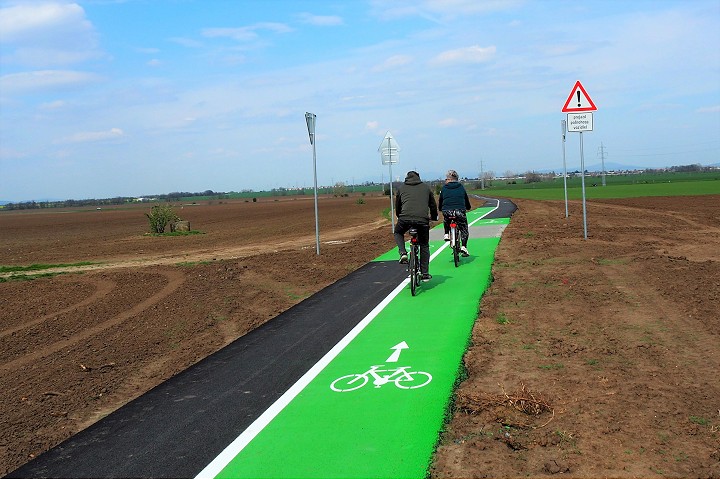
(613, 341)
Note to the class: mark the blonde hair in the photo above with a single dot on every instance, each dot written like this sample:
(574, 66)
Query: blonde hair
(452, 175)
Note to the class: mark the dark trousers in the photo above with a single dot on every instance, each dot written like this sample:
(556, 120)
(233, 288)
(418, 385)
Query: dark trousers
(460, 220)
(423, 230)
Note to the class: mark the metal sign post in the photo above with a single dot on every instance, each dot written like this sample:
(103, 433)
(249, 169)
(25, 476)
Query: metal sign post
(582, 181)
(581, 122)
(310, 120)
(564, 129)
(579, 107)
(389, 154)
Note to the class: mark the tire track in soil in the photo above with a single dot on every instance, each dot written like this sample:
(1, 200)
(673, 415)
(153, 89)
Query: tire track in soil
(103, 287)
(682, 220)
(175, 280)
(234, 252)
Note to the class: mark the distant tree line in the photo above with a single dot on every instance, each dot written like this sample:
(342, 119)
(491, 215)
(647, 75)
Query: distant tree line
(33, 205)
(339, 189)
(118, 200)
(682, 169)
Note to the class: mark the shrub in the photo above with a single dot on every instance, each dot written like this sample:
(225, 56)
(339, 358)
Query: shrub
(160, 216)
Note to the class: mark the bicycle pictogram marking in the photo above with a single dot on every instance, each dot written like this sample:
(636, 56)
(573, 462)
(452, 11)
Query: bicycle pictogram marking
(402, 377)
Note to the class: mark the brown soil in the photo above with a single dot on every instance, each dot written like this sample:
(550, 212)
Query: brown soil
(612, 341)
(597, 357)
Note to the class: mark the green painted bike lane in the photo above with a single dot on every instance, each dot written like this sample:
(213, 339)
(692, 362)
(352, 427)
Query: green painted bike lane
(376, 406)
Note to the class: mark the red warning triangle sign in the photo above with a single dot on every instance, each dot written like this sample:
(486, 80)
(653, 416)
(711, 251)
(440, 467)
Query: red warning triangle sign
(579, 100)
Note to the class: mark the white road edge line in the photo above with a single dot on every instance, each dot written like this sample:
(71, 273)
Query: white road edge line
(235, 447)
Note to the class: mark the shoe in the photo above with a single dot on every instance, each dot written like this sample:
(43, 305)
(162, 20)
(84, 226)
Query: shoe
(426, 277)
(464, 251)
(447, 237)
(403, 258)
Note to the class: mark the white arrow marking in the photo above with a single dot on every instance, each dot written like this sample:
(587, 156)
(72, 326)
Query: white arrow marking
(396, 354)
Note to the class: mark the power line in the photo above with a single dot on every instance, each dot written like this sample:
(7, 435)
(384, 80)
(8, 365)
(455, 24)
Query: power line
(601, 152)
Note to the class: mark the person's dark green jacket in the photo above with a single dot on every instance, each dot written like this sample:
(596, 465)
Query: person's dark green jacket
(415, 199)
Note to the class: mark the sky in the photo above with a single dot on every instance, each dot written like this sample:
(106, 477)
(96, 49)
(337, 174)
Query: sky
(106, 98)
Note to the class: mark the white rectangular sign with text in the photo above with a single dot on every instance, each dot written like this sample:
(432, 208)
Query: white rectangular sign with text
(580, 121)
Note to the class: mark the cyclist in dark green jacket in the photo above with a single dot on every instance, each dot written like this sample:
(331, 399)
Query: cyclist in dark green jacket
(415, 206)
(454, 201)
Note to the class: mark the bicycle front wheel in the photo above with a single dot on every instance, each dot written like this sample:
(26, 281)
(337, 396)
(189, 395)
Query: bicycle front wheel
(351, 382)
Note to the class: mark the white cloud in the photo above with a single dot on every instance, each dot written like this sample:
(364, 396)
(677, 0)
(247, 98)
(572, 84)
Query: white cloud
(23, 22)
(464, 125)
(43, 34)
(469, 7)
(148, 50)
(439, 10)
(243, 34)
(448, 122)
(473, 54)
(91, 136)
(45, 79)
(321, 20)
(238, 34)
(186, 42)
(10, 154)
(394, 61)
(372, 125)
(709, 109)
(53, 105)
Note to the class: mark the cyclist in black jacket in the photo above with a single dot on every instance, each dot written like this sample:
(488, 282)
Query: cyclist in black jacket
(454, 201)
(415, 206)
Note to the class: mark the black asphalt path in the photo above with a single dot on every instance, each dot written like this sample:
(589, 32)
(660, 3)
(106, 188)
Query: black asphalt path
(179, 427)
(505, 209)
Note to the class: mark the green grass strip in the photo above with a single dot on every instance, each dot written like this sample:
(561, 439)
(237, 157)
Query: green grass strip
(41, 267)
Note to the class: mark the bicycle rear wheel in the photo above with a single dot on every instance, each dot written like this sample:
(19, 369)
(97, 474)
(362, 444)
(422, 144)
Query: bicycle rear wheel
(455, 243)
(413, 265)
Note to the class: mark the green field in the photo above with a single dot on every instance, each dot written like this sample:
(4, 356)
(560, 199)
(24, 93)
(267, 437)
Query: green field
(620, 186)
(280, 192)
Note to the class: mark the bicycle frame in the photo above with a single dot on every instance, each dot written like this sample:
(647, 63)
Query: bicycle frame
(414, 261)
(380, 380)
(455, 240)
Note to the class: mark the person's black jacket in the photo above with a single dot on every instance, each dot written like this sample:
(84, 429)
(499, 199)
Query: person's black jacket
(414, 199)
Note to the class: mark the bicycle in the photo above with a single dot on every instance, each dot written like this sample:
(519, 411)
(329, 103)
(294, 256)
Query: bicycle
(414, 261)
(455, 241)
(402, 378)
